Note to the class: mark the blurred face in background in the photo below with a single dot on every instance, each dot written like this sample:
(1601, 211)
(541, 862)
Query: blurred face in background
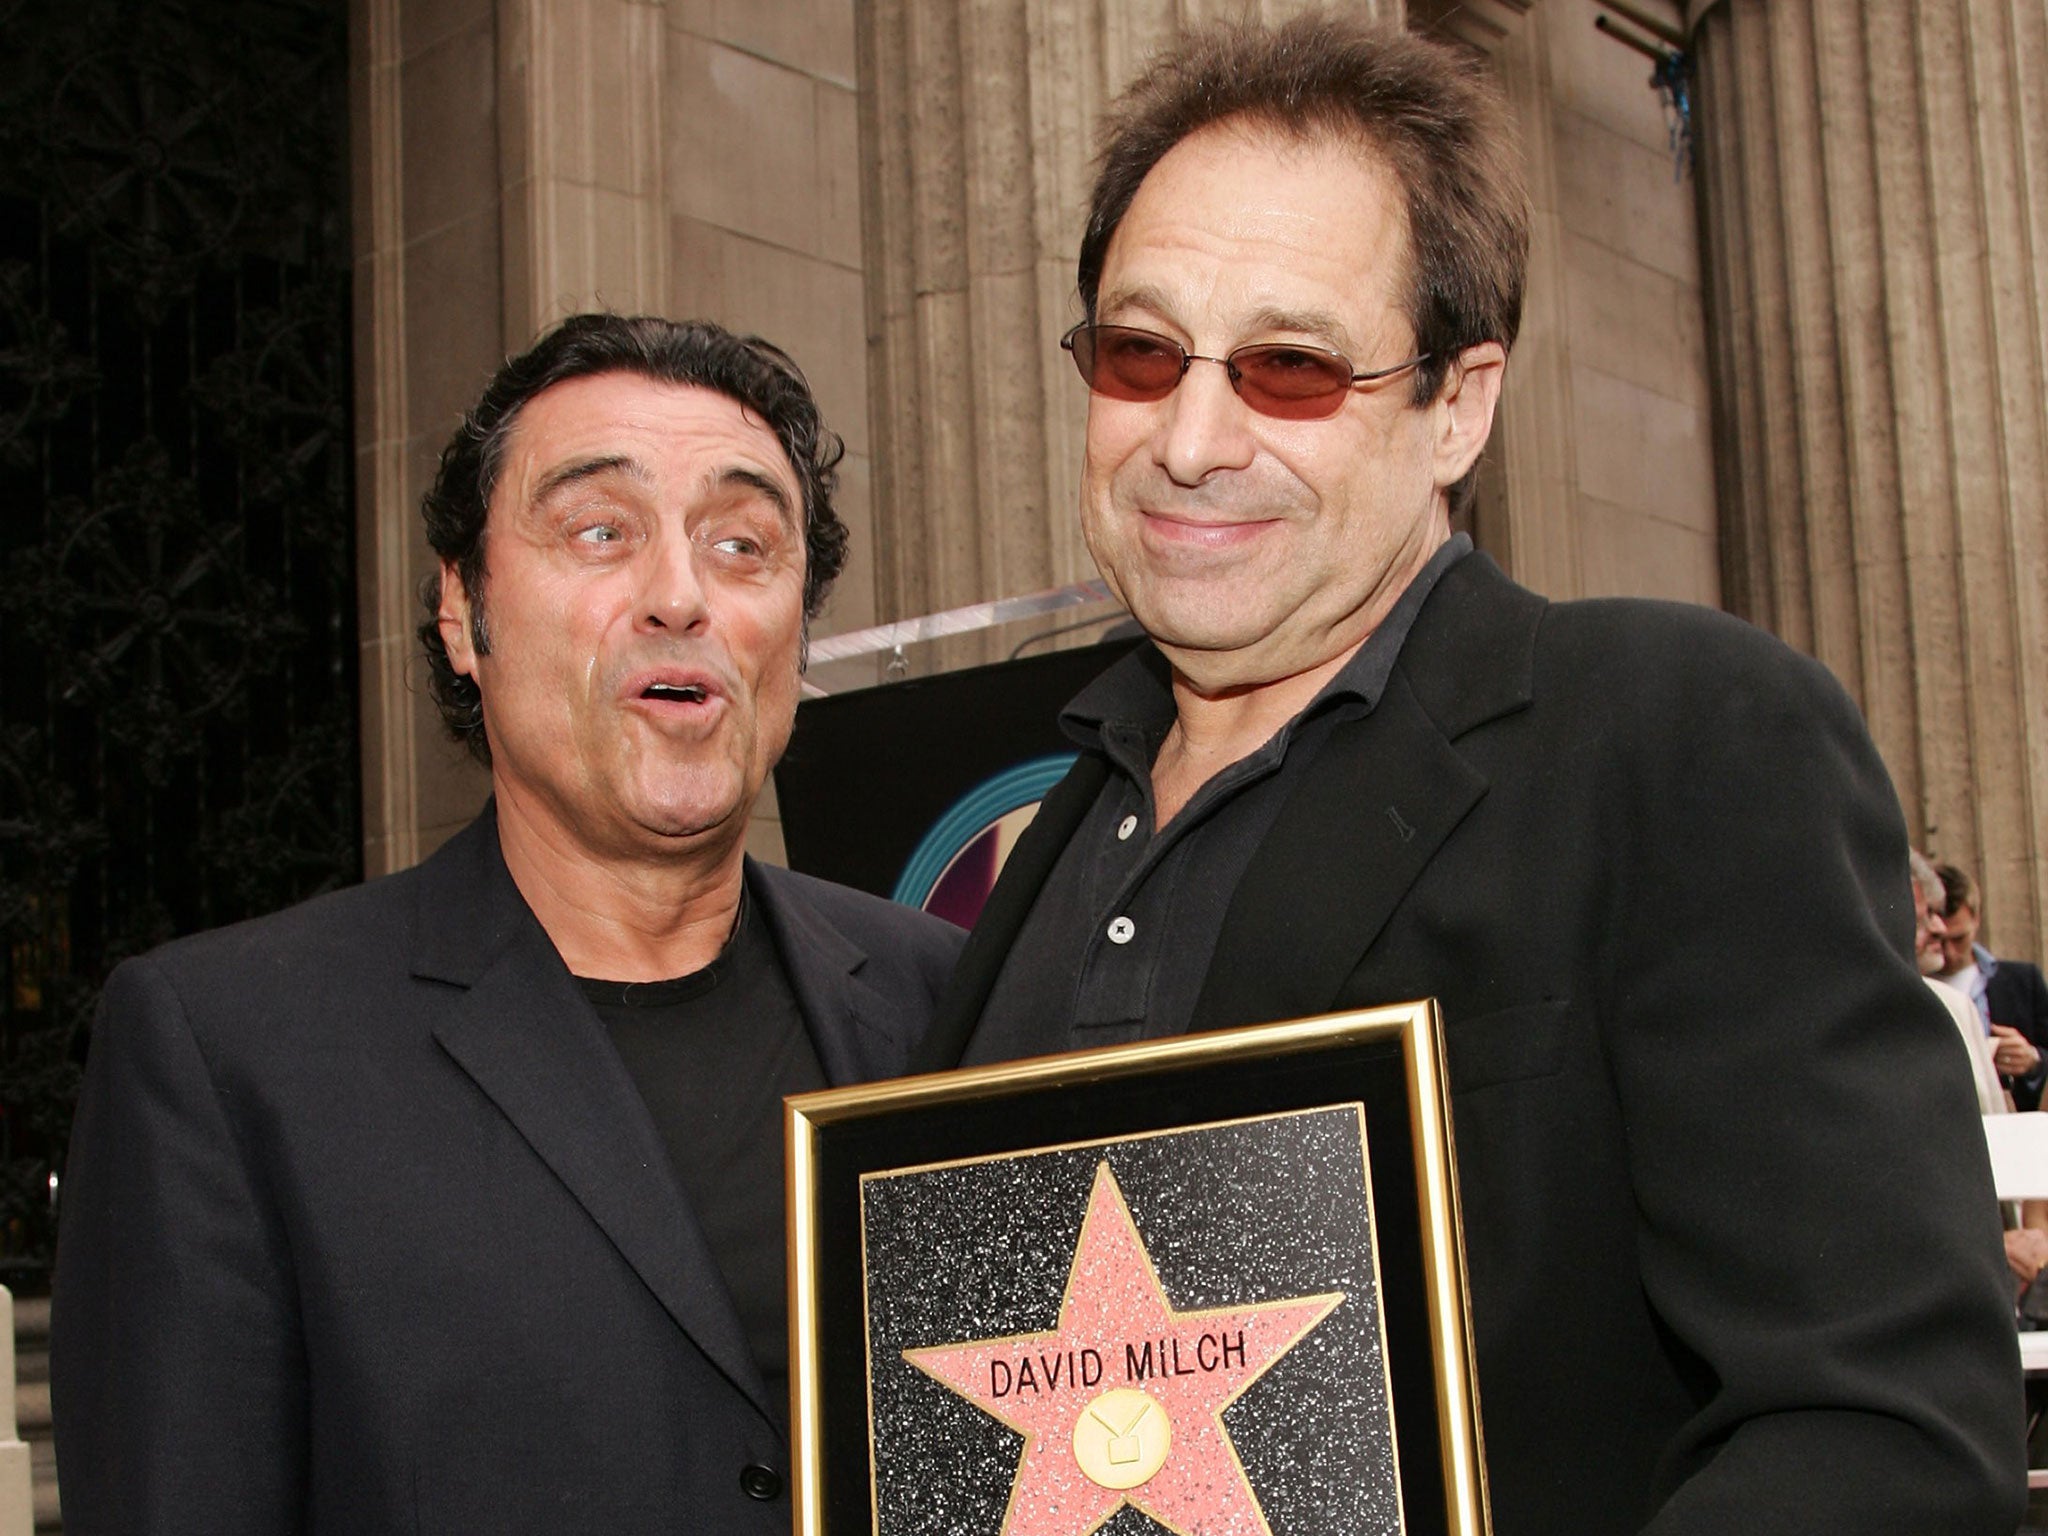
(1960, 934)
(1928, 932)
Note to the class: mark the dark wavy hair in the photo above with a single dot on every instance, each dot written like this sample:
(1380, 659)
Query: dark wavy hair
(1957, 890)
(756, 373)
(1433, 115)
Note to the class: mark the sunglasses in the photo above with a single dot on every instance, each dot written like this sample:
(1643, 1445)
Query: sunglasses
(1274, 378)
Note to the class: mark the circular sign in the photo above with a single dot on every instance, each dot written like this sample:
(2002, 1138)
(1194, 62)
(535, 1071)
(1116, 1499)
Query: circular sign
(954, 867)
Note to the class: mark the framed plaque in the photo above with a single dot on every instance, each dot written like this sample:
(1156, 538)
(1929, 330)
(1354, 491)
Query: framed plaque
(1211, 1286)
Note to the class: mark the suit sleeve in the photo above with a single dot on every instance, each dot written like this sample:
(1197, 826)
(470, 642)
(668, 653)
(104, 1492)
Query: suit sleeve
(2032, 1021)
(1816, 1217)
(177, 1373)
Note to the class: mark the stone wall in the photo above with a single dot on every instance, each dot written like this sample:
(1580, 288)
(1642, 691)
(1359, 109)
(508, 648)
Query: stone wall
(1876, 183)
(1601, 479)
(893, 188)
(521, 160)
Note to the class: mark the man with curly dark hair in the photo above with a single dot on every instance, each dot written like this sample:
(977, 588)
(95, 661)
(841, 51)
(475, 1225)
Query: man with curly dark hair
(454, 1202)
(756, 375)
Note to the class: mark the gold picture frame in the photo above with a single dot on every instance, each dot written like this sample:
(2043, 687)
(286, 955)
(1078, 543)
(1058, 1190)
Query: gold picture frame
(1387, 1063)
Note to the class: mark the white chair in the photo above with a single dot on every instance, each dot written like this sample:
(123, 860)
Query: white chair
(2019, 1154)
(2019, 1171)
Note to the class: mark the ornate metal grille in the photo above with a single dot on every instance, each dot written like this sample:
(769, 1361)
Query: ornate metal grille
(177, 613)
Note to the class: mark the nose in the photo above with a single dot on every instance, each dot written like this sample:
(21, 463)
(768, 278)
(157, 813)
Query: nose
(671, 593)
(1204, 427)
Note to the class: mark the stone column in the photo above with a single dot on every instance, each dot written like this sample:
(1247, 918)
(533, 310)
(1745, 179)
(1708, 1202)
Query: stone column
(1599, 479)
(1527, 514)
(978, 121)
(580, 159)
(508, 170)
(428, 331)
(1874, 191)
(763, 179)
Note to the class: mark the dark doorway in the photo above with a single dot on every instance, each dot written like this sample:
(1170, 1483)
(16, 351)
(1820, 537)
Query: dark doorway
(178, 743)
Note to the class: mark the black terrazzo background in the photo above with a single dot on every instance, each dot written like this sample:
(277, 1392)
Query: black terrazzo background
(1231, 1214)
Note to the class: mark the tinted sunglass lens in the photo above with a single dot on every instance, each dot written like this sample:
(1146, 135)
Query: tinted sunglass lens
(1280, 379)
(1291, 381)
(1133, 365)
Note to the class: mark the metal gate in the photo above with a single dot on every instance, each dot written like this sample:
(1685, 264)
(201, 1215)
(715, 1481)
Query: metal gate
(178, 741)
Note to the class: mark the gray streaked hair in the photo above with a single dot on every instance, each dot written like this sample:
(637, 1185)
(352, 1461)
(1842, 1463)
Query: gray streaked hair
(1927, 878)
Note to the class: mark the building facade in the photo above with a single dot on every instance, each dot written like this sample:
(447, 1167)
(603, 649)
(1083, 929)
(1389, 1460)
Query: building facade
(1799, 376)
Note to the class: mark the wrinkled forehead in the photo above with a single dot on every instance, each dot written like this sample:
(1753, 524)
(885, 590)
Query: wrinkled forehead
(646, 429)
(1341, 156)
(1238, 187)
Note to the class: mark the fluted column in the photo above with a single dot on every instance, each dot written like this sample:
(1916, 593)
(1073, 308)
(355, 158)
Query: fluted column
(580, 87)
(508, 171)
(979, 119)
(1873, 181)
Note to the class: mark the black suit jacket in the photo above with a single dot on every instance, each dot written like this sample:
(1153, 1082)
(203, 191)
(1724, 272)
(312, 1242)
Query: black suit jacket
(367, 1229)
(1731, 1235)
(2015, 994)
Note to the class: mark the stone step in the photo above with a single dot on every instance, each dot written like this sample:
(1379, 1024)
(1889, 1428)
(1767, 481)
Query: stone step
(32, 1407)
(31, 1364)
(42, 1461)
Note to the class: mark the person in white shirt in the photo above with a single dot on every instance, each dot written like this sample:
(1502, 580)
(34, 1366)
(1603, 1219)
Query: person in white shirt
(1929, 931)
(2026, 1245)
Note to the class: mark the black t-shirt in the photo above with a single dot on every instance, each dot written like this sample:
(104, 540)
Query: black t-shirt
(713, 1053)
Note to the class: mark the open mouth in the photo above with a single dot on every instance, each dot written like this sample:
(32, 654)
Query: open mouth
(674, 693)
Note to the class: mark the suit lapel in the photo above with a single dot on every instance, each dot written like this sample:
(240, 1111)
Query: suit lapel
(525, 1035)
(1369, 813)
(1374, 806)
(850, 1025)
(1017, 886)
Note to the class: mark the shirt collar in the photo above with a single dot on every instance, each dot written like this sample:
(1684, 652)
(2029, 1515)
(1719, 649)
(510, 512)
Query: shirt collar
(1137, 693)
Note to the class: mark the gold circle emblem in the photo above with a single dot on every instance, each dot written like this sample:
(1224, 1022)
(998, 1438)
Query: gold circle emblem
(1122, 1438)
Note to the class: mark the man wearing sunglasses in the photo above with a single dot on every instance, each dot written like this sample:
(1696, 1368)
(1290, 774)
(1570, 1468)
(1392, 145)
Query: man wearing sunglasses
(1725, 1199)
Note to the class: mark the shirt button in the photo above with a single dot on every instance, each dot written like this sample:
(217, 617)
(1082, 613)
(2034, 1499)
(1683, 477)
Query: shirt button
(1125, 828)
(1122, 930)
(758, 1482)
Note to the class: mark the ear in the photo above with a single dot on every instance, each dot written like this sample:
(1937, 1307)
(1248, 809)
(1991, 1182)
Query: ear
(1464, 409)
(454, 620)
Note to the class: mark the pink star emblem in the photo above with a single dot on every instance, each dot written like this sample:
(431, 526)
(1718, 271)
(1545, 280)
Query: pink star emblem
(1123, 1402)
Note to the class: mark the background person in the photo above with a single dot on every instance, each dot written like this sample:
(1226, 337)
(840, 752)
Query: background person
(2009, 993)
(2026, 1235)
(1929, 931)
